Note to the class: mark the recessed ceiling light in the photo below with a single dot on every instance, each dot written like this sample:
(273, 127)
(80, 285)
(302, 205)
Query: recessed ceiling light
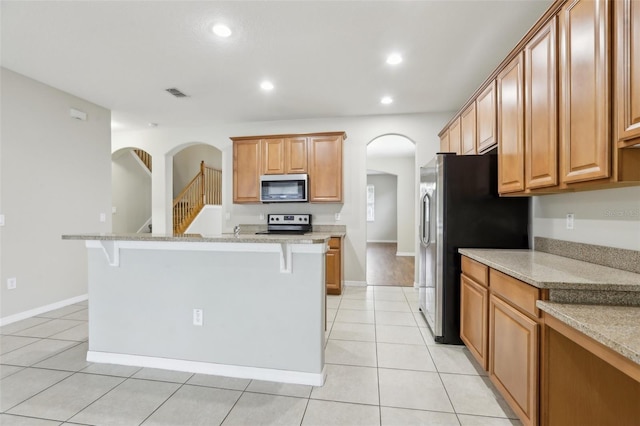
(394, 59)
(221, 30)
(386, 100)
(266, 85)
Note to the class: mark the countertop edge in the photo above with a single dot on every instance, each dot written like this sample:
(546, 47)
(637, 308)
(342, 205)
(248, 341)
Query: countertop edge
(551, 285)
(558, 311)
(314, 238)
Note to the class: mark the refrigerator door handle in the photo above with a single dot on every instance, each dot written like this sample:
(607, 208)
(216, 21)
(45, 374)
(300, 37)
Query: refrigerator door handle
(425, 223)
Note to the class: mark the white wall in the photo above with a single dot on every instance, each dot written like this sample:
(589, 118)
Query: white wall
(55, 178)
(406, 221)
(163, 143)
(384, 227)
(131, 192)
(186, 164)
(609, 217)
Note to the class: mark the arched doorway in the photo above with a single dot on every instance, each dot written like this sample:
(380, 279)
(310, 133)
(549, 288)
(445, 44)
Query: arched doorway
(197, 189)
(131, 191)
(391, 211)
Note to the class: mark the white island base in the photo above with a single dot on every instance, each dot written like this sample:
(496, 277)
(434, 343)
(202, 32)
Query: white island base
(263, 306)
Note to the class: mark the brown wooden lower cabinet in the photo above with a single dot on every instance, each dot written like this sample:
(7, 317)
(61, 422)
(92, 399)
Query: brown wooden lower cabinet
(333, 265)
(474, 304)
(513, 358)
(583, 382)
(501, 325)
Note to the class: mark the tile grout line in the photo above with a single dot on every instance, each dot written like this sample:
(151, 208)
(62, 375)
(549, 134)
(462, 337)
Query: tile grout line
(167, 399)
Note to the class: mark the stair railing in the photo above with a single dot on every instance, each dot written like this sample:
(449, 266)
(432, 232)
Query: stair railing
(204, 188)
(144, 156)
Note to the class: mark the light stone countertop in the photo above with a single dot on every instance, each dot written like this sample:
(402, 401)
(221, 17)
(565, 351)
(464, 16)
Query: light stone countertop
(544, 270)
(310, 238)
(617, 327)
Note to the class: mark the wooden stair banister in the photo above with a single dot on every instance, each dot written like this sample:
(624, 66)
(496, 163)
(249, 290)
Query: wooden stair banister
(204, 188)
(144, 156)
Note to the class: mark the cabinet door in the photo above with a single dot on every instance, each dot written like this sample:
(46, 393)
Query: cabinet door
(540, 95)
(325, 169)
(296, 155)
(486, 117)
(513, 358)
(627, 47)
(444, 141)
(468, 130)
(474, 311)
(246, 171)
(511, 127)
(273, 156)
(333, 267)
(455, 137)
(584, 81)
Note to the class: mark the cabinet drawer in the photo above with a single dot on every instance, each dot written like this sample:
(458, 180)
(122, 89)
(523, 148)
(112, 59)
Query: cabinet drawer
(334, 242)
(475, 270)
(518, 293)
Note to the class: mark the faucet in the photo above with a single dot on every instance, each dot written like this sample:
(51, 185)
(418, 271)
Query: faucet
(236, 230)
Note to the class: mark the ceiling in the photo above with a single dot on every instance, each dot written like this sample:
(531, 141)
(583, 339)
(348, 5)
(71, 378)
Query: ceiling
(325, 58)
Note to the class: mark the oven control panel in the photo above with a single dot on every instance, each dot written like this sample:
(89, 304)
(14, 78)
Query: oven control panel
(289, 219)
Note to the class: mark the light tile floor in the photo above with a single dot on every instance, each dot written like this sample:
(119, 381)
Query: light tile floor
(383, 368)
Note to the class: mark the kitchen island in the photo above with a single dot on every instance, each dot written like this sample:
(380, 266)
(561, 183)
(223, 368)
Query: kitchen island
(249, 306)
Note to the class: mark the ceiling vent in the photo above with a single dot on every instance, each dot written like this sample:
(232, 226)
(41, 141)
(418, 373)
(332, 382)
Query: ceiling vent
(175, 92)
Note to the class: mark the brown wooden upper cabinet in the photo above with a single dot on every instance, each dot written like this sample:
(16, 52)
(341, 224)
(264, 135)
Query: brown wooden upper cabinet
(511, 127)
(584, 89)
(284, 155)
(273, 156)
(444, 141)
(486, 118)
(246, 171)
(319, 155)
(627, 65)
(541, 113)
(549, 104)
(455, 136)
(325, 168)
(468, 130)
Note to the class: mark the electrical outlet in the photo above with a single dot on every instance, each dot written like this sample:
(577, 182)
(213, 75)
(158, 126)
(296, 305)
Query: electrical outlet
(1, 220)
(114, 210)
(11, 283)
(198, 317)
(337, 216)
(261, 216)
(227, 216)
(569, 220)
(103, 217)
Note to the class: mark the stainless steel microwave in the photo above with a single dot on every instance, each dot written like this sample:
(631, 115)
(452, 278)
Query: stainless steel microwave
(284, 188)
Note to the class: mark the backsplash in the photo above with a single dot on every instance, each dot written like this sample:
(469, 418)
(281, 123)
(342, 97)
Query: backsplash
(627, 260)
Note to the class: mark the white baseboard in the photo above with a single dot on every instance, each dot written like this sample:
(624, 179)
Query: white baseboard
(355, 283)
(405, 253)
(42, 309)
(241, 372)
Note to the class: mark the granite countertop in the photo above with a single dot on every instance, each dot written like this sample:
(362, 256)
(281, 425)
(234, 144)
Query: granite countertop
(617, 327)
(544, 270)
(310, 238)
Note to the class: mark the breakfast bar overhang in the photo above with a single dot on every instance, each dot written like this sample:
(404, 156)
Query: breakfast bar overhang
(261, 298)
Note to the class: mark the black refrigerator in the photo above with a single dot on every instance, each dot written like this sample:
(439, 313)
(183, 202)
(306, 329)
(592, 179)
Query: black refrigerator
(460, 208)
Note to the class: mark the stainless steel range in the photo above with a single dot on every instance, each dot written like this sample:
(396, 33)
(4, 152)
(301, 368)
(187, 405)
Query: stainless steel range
(297, 224)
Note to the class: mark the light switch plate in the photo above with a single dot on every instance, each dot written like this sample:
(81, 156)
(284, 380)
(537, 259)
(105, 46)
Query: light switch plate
(337, 216)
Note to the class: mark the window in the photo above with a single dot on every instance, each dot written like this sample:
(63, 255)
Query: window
(371, 201)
